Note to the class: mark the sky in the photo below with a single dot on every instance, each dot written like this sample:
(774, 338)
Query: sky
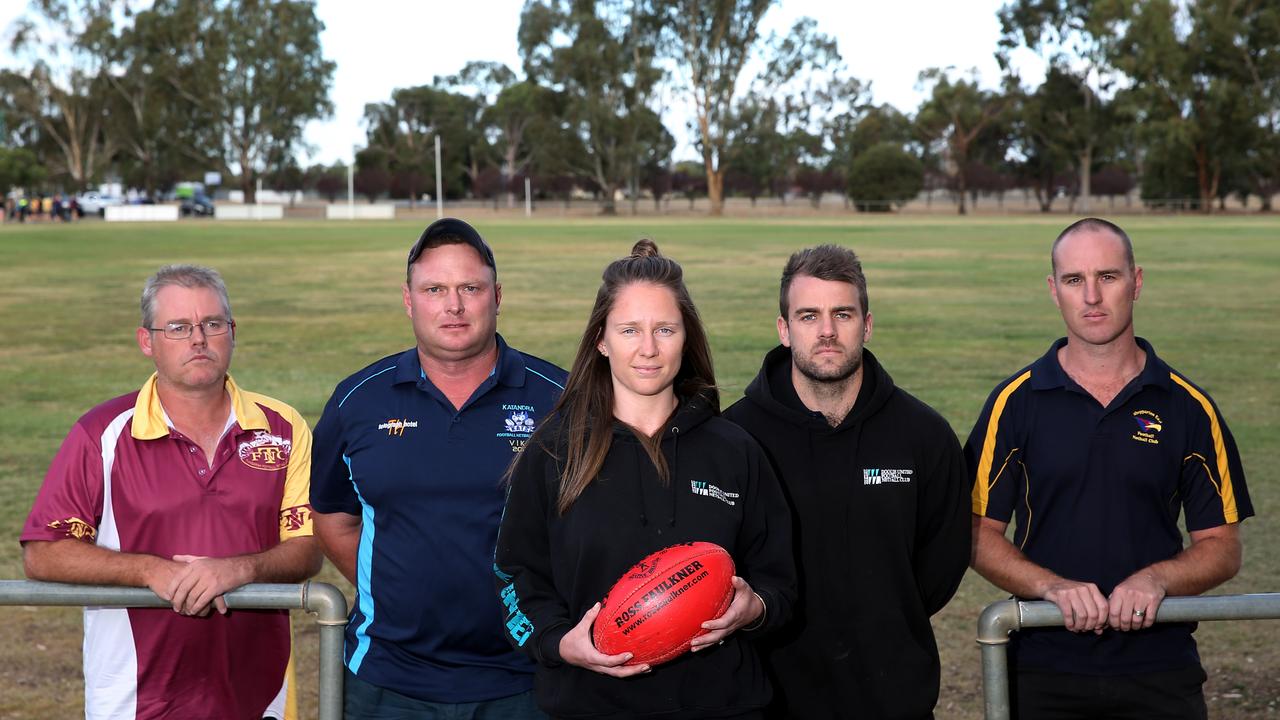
(381, 45)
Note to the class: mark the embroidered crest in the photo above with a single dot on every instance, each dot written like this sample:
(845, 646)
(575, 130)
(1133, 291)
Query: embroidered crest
(519, 422)
(266, 451)
(74, 527)
(517, 426)
(295, 518)
(1149, 427)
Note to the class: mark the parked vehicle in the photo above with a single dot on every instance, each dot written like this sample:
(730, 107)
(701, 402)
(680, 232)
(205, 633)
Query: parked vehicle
(198, 205)
(95, 203)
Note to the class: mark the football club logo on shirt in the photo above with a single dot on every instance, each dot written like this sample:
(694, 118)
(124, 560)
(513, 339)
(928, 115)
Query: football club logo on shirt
(1149, 427)
(295, 518)
(517, 426)
(705, 489)
(519, 422)
(266, 451)
(885, 476)
(74, 527)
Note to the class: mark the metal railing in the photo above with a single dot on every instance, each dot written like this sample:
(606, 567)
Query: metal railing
(999, 619)
(324, 600)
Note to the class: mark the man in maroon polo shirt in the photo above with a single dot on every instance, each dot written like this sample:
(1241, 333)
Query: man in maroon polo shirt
(191, 487)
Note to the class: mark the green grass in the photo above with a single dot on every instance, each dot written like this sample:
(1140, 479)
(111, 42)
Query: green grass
(959, 304)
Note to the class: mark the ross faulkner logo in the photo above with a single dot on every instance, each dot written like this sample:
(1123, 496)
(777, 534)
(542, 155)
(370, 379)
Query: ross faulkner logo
(396, 426)
(701, 488)
(265, 451)
(881, 476)
(1149, 427)
(652, 601)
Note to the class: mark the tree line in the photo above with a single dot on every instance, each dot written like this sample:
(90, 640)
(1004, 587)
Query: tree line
(1177, 97)
(160, 95)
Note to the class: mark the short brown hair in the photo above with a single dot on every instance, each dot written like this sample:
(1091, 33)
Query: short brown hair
(187, 276)
(824, 262)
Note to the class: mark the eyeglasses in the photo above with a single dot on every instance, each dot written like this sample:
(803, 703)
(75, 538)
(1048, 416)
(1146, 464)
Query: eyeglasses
(182, 331)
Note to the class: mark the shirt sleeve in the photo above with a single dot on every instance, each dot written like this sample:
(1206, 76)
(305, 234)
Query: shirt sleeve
(69, 503)
(295, 508)
(993, 455)
(331, 488)
(764, 542)
(1212, 485)
(536, 616)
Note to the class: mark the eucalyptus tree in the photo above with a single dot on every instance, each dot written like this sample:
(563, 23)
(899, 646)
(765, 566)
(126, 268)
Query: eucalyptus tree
(256, 73)
(601, 57)
(62, 88)
(1194, 87)
(713, 40)
(955, 114)
(1077, 39)
(404, 131)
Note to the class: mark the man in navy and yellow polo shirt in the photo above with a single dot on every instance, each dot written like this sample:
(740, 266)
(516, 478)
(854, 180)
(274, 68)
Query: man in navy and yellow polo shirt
(408, 491)
(191, 487)
(1094, 450)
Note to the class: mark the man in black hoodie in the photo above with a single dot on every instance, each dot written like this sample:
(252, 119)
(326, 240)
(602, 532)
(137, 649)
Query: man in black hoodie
(877, 488)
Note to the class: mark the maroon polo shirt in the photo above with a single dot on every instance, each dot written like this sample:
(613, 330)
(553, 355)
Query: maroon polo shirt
(126, 480)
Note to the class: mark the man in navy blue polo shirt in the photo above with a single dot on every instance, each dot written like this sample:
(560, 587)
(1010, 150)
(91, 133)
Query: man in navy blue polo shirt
(1093, 450)
(407, 493)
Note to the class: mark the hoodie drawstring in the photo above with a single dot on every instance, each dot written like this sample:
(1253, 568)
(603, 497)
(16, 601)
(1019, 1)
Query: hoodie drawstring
(675, 471)
(644, 518)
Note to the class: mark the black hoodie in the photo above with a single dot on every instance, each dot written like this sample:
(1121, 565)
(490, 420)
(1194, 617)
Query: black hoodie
(551, 569)
(882, 524)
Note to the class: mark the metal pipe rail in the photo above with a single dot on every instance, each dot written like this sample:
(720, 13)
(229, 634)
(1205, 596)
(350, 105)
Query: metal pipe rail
(324, 600)
(1001, 618)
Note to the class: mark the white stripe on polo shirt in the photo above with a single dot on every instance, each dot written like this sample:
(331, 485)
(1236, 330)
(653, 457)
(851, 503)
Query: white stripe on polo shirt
(110, 657)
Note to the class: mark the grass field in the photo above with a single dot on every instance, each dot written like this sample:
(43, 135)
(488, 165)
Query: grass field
(959, 304)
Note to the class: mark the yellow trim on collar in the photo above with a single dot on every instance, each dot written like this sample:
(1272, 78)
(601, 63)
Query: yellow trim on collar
(148, 413)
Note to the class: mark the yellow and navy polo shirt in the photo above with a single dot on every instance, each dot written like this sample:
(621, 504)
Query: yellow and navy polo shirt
(1095, 493)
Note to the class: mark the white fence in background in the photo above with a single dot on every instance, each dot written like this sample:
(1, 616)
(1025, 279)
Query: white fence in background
(142, 213)
(226, 211)
(359, 211)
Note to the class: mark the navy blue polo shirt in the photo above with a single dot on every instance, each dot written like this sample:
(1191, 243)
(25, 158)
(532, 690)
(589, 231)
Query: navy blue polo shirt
(1095, 493)
(427, 482)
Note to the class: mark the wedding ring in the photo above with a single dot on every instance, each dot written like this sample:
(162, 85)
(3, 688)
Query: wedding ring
(1139, 613)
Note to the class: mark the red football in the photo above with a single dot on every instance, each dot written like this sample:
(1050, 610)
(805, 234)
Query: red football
(658, 606)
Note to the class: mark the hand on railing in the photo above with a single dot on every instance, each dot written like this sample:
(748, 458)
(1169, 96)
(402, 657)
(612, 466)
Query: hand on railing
(1135, 602)
(1083, 606)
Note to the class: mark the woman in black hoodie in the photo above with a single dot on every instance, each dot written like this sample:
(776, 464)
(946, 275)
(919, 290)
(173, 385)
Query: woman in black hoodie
(635, 458)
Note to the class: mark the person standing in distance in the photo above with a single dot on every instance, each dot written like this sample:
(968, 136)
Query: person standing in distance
(408, 464)
(876, 484)
(1093, 451)
(191, 487)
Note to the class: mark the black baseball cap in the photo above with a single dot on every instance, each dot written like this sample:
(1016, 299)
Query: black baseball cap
(452, 227)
